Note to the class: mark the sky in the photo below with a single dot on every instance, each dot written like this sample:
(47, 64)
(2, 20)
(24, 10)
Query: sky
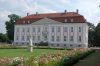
(88, 8)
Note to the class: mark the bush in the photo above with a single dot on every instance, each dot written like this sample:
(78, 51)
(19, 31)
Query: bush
(11, 47)
(69, 61)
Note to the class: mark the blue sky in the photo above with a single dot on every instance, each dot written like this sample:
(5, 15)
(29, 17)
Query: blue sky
(89, 8)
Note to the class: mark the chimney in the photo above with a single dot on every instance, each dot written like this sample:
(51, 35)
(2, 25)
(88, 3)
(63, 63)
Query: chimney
(65, 11)
(27, 14)
(77, 11)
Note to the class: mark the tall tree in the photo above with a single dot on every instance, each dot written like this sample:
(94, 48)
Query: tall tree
(97, 34)
(3, 38)
(10, 25)
(91, 35)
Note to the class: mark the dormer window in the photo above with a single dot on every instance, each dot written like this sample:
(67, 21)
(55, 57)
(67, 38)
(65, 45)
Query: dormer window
(23, 22)
(28, 21)
(65, 20)
(72, 20)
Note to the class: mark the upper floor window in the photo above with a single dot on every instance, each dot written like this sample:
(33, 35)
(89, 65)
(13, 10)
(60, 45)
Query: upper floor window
(80, 29)
(52, 29)
(58, 29)
(65, 38)
(52, 38)
(71, 29)
(17, 37)
(28, 38)
(23, 30)
(65, 29)
(58, 38)
(23, 38)
(38, 29)
(71, 38)
(38, 38)
(28, 29)
(33, 29)
(33, 38)
(17, 29)
(79, 39)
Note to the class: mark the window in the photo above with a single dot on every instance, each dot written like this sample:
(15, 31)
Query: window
(33, 38)
(58, 38)
(52, 29)
(33, 29)
(79, 29)
(65, 29)
(57, 45)
(27, 29)
(17, 29)
(45, 37)
(51, 44)
(38, 29)
(71, 38)
(71, 20)
(23, 38)
(38, 38)
(71, 45)
(52, 38)
(64, 44)
(58, 30)
(27, 38)
(17, 37)
(71, 29)
(79, 38)
(79, 45)
(46, 29)
(23, 30)
(65, 38)
(24, 22)
(65, 20)
(28, 21)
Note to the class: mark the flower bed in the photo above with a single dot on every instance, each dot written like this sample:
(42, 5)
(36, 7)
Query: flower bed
(66, 58)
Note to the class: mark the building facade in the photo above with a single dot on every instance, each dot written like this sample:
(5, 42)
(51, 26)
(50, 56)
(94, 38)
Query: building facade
(68, 29)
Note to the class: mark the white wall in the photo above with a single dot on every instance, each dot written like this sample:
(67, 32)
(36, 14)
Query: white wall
(42, 24)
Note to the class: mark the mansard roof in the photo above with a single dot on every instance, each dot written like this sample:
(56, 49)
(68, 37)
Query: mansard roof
(70, 17)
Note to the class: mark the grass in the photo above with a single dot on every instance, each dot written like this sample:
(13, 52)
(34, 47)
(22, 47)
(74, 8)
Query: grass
(91, 60)
(25, 53)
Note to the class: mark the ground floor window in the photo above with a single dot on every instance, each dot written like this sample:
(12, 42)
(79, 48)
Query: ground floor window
(57, 45)
(71, 45)
(64, 45)
(79, 45)
(52, 45)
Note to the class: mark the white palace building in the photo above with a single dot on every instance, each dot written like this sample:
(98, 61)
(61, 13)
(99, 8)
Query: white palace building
(67, 29)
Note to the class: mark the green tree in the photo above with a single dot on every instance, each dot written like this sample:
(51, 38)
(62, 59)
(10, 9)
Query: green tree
(3, 38)
(91, 35)
(97, 35)
(10, 25)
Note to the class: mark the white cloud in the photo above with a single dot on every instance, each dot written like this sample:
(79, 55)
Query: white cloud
(3, 18)
(89, 8)
(4, 15)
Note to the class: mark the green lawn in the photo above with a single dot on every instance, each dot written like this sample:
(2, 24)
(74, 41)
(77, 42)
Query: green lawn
(91, 60)
(25, 53)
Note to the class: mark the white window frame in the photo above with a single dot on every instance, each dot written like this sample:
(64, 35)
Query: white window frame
(71, 38)
(65, 29)
(71, 29)
(52, 29)
(52, 39)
